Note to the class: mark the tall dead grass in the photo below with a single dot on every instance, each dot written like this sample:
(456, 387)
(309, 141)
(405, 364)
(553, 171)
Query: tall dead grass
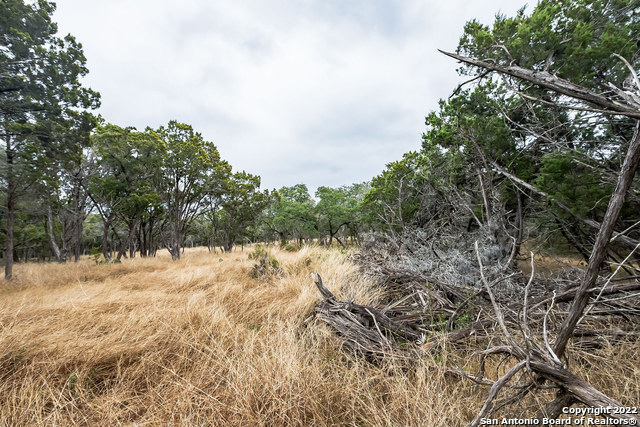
(203, 342)
(197, 342)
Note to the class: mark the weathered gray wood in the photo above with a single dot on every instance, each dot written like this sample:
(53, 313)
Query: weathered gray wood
(577, 387)
(364, 328)
(549, 81)
(590, 222)
(599, 252)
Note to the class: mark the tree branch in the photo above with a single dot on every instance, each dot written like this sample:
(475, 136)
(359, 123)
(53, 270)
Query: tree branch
(549, 81)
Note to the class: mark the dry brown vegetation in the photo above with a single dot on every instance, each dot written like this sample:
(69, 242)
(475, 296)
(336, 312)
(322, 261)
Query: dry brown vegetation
(202, 341)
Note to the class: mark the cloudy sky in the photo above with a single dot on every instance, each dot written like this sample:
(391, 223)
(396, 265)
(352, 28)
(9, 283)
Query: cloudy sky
(321, 92)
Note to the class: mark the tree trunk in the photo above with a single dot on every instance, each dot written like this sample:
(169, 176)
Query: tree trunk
(132, 247)
(599, 252)
(106, 226)
(79, 215)
(77, 231)
(116, 242)
(11, 194)
(174, 245)
(60, 256)
(152, 248)
(334, 234)
(519, 226)
(147, 238)
(485, 198)
(126, 244)
(142, 240)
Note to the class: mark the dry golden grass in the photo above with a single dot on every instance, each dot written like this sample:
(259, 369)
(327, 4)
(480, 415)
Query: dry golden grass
(197, 342)
(202, 342)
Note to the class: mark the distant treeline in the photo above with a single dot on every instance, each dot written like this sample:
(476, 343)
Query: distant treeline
(501, 153)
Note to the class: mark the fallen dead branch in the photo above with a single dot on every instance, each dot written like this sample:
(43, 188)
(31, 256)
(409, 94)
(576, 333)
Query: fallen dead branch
(422, 315)
(365, 329)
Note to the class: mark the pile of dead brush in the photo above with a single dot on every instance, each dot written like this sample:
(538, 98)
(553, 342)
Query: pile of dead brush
(491, 312)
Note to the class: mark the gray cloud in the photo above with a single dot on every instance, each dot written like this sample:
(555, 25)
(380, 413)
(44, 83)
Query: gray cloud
(320, 92)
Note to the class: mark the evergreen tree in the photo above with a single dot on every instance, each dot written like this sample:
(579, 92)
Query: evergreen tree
(41, 97)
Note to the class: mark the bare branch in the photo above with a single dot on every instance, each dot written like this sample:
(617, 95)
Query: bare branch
(605, 232)
(549, 81)
(495, 389)
(554, 358)
(496, 307)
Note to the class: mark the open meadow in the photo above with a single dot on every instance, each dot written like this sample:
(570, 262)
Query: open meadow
(451, 247)
(201, 341)
(197, 342)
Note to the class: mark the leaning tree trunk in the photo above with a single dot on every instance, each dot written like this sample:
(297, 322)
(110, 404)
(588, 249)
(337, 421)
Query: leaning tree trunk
(599, 252)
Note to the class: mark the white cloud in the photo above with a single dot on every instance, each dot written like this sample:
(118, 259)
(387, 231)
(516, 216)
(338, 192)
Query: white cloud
(323, 92)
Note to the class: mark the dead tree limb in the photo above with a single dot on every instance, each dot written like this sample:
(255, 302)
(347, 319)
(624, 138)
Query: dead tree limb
(591, 223)
(577, 387)
(495, 389)
(365, 329)
(599, 251)
(552, 82)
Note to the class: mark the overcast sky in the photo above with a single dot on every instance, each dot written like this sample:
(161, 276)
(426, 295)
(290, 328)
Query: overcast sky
(321, 92)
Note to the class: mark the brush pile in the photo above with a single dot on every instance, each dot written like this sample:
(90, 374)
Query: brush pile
(468, 297)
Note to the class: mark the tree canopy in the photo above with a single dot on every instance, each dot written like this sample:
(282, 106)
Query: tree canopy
(43, 104)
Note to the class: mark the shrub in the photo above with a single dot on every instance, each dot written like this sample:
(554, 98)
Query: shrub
(266, 265)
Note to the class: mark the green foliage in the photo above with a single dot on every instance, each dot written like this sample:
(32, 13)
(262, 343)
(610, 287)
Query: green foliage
(291, 213)
(44, 120)
(72, 380)
(259, 251)
(468, 122)
(426, 187)
(40, 72)
(393, 201)
(239, 206)
(43, 104)
(170, 186)
(340, 207)
(574, 184)
(129, 165)
(510, 125)
(96, 253)
(189, 165)
(574, 39)
(92, 231)
(192, 168)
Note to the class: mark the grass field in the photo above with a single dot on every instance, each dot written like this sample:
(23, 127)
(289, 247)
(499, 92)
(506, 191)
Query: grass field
(203, 342)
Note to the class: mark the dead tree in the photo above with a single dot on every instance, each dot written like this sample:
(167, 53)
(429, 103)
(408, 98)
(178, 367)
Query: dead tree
(546, 363)
(412, 324)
